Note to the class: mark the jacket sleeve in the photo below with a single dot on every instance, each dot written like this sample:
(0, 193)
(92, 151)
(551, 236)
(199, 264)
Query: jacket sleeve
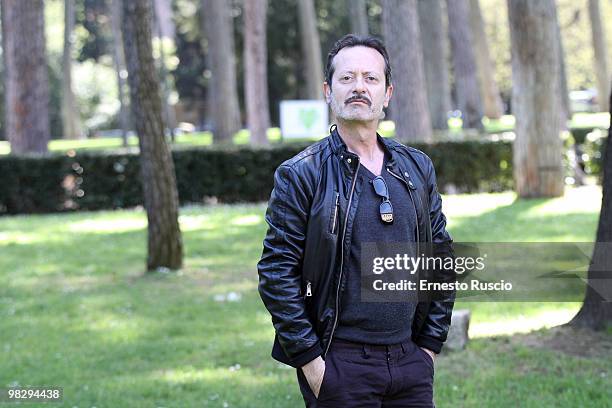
(280, 268)
(434, 330)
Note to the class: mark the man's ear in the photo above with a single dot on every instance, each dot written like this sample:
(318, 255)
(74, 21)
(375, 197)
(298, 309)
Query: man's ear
(388, 94)
(327, 91)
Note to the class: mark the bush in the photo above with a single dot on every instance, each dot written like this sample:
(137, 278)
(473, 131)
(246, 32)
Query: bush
(580, 133)
(593, 148)
(32, 185)
(94, 180)
(471, 166)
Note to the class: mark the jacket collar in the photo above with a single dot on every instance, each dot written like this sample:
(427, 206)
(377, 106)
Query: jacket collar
(339, 147)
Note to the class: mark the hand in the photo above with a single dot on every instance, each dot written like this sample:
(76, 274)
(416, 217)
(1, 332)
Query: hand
(314, 372)
(431, 354)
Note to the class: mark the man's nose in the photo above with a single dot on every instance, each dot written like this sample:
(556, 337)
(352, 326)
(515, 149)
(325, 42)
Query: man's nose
(359, 85)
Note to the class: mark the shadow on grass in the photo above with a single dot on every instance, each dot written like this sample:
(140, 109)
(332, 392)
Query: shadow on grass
(541, 368)
(77, 254)
(520, 222)
(77, 310)
(147, 343)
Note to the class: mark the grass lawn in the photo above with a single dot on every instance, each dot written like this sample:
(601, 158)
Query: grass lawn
(386, 128)
(77, 311)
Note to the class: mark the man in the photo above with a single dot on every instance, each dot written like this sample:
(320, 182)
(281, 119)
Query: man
(351, 188)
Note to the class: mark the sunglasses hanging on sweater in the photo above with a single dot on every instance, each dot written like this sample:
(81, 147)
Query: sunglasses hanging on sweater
(386, 209)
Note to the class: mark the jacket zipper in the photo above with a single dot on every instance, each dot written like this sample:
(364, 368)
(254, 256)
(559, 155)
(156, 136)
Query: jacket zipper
(335, 213)
(308, 288)
(416, 215)
(348, 210)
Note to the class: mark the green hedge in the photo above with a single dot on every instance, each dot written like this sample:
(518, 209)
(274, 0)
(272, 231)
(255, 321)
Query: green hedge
(594, 150)
(93, 181)
(471, 166)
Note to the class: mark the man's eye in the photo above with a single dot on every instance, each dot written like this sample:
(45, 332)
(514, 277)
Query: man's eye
(371, 78)
(346, 77)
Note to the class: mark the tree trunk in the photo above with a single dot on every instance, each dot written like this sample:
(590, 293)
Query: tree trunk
(565, 113)
(596, 310)
(70, 114)
(434, 46)
(537, 154)
(223, 92)
(358, 14)
(119, 60)
(311, 49)
(255, 67)
(489, 91)
(165, 248)
(464, 64)
(26, 79)
(163, 15)
(409, 108)
(600, 55)
(164, 33)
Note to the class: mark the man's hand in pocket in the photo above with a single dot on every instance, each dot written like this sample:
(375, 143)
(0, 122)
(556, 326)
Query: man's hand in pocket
(431, 353)
(314, 372)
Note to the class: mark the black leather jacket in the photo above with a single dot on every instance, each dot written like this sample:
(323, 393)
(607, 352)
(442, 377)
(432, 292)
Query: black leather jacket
(310, 217)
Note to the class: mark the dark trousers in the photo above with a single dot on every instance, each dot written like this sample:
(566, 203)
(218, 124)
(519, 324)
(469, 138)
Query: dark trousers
(368, 376)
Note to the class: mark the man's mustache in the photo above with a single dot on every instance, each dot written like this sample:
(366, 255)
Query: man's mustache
(358, 98)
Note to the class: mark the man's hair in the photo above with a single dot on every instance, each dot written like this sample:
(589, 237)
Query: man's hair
(352, 40)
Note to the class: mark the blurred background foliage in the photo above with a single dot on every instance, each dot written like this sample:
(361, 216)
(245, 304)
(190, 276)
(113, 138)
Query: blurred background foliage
(95, 82)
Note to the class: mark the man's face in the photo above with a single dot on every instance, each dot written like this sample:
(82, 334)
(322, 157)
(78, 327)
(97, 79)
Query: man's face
(358, 91)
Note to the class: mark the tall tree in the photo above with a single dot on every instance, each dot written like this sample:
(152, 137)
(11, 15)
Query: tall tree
(162, 14)
(489, 91)
(163, 18)
(311, 49)
(565, 113)
(165, 248)
(119, 61)
(223, 91)
(600, 54)
(464, 63)
(596, 310)
(409, 108)
(26, 79)
(434, 46)
(537, 154)
(70, 113)
(358, 15)
(255, 70)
